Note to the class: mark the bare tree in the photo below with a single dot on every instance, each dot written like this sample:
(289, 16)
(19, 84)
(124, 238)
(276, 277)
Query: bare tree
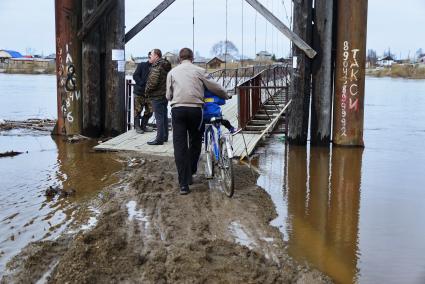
(419, 53)
(220, 48)
(371, 57)
(388, 53)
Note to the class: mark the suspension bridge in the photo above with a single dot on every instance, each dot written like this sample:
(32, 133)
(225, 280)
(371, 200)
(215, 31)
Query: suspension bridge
(325, 76)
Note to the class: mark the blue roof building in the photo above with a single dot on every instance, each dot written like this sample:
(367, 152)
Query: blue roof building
(10, 54)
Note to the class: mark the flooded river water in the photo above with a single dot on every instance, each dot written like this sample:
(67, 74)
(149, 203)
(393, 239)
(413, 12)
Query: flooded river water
(355, 214)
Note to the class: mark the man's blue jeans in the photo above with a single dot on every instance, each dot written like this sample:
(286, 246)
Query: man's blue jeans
(161, 116)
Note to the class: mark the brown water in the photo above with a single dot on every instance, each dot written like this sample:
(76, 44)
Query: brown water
(357, 214)
(26, 213)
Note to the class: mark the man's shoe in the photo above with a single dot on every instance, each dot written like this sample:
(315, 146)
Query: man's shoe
(155, 142)
(148, 129)
(195, 179)
(137, 126)
(184, 190)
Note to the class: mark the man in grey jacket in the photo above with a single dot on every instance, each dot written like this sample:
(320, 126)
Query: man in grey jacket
(185, 91)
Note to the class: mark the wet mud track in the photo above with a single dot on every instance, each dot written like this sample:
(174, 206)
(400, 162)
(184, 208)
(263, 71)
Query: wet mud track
(148, 233)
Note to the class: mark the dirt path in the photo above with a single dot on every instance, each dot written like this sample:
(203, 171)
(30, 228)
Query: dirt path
(148, 233)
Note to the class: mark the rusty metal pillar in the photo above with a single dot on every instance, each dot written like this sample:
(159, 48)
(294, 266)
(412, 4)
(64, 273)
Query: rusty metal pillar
(68, 67)
(350, 72)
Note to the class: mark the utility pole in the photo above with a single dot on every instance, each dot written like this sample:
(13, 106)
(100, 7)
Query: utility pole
(350, 72)
(92, 101)
(68, 67)
(322, 67)
(298, 114)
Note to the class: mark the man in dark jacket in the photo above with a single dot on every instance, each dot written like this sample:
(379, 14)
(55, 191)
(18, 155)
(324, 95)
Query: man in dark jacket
(140, 99)
(155, 91)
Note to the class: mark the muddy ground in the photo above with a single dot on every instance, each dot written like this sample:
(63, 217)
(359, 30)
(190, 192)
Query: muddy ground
(148, 233)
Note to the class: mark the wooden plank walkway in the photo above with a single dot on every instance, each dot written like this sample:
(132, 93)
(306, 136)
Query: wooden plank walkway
(131, 141)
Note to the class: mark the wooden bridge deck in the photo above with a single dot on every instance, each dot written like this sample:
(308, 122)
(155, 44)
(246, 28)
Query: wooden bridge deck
(131, 141)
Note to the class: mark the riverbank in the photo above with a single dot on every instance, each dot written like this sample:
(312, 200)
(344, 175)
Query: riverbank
(407, 71)
(148, 233)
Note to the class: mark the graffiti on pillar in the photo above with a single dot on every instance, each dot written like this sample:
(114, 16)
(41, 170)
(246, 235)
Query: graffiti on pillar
(67, 82)
(350, 84)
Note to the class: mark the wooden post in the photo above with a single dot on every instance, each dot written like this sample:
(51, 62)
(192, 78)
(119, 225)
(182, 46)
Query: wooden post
(68, 67)
(321, 104)
(92, 123)
(298, 113)
(114, 74)
(350, 72)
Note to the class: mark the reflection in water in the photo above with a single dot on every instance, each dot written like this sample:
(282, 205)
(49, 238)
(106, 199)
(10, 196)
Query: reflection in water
(26, 214)
(323, 208)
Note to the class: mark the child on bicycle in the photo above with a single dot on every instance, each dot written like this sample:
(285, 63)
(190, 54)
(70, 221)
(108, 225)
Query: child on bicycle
(212, 109)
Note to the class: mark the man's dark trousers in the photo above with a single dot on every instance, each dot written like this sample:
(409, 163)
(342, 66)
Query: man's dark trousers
(187, 121)
(161, 116)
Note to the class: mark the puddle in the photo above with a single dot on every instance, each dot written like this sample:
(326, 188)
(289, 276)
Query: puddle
(27, 214)
(240, 236)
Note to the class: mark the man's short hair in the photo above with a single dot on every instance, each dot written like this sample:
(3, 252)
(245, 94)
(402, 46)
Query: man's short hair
(186, 54)
(157, 52)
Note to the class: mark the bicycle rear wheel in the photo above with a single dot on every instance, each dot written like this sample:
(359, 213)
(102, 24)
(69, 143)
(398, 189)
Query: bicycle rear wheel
(226, 170)
(209, 154)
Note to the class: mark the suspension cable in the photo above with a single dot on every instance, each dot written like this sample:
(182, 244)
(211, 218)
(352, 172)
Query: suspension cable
(255, 33)
(193, 26)
(242, 2)
(225, 43)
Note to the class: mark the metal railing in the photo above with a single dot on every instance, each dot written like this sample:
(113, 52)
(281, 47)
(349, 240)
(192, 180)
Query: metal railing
(230, 78)
(262, 88)
(255, 85)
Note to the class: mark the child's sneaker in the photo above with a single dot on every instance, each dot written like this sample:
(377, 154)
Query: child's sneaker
(235, 130)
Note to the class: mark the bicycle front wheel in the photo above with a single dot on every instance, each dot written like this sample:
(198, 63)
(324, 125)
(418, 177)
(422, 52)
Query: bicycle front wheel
(226, 170)
(209, 154)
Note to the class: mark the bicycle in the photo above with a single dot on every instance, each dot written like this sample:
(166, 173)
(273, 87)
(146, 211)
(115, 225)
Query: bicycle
(219, 152)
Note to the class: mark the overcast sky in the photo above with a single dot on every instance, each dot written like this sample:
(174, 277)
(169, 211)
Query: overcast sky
(29, 26)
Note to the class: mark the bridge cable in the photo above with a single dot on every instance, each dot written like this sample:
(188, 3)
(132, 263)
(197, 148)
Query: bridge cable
(225, 43)
(193, 27)
(242, 2)
(255, 33)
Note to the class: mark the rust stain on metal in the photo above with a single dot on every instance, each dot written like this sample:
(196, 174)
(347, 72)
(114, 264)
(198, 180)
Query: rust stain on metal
(68, 67)
(350, 73)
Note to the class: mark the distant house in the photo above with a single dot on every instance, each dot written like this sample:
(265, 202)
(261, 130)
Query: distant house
(139, 59)
(51, 56)
(421, 59)
(214, 63)
(386, 61)
(227, 57)
(173, 58)
(263, 56)
(200, 61)
(5, 54)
